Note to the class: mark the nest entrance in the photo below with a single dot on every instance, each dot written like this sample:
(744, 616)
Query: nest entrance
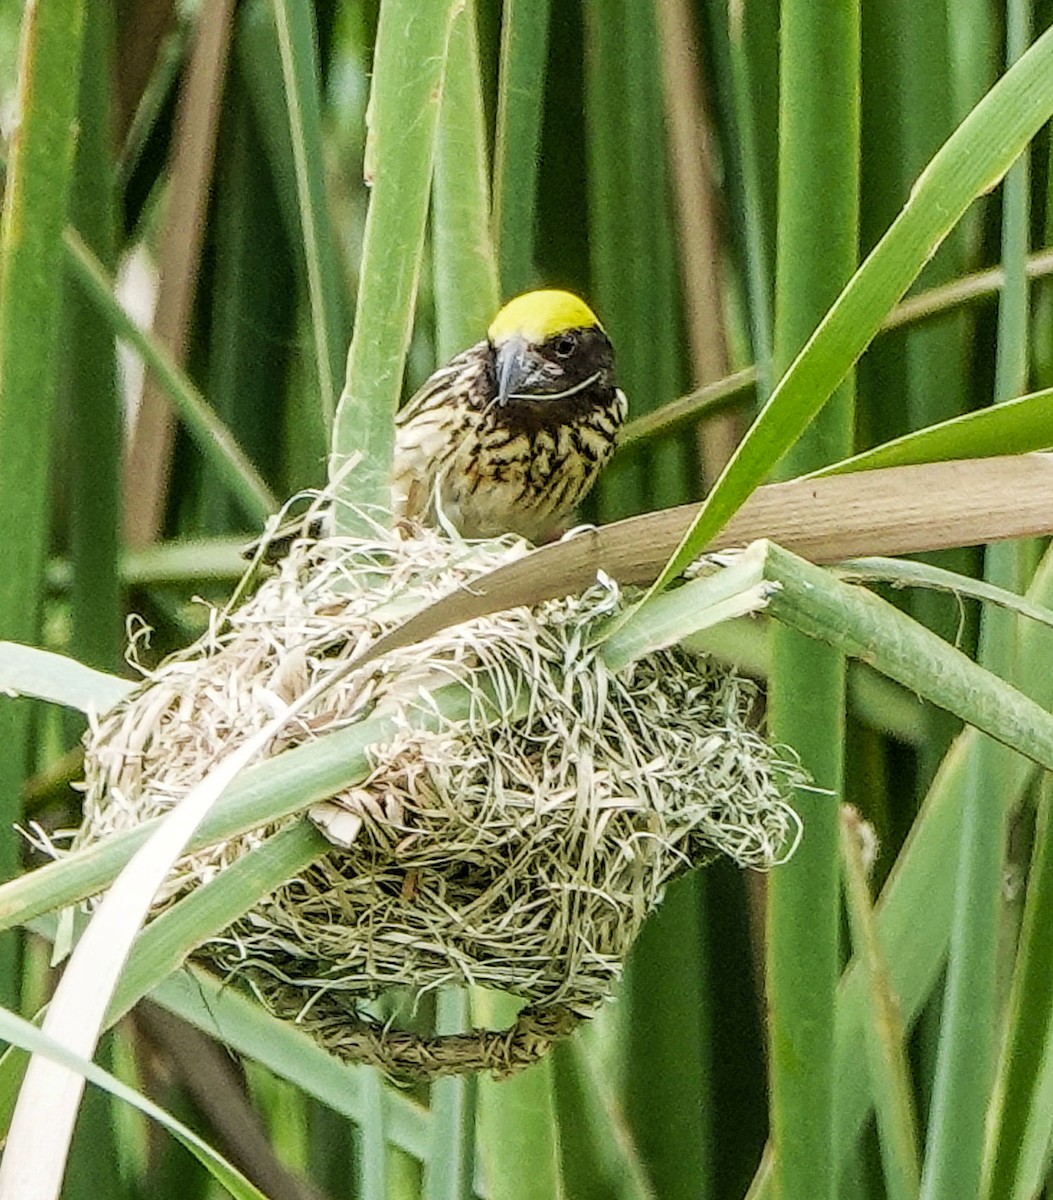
(522, 854)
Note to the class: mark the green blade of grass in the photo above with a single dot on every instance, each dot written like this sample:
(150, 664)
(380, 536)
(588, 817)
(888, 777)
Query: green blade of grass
(213, 438)
(735, 590)
(284, 1048)
(930, 368)
(816, 249)
(465, 268)
(408, 68)
(34, 216)
(600, 1159)
(753, 72)
(916, 120)
(246, 315)
(735, 389)
(635, 285)
(91, 393)
(930, 305)
(885, 1038)
(450, 1167)
(1014, 427)
(971, 162)
(806, 706)
(906, 573)
(655, 356)
(965, 1062)
(27, 671)
(518, 1138)
(668, 1068)
(19, 1032)
(372, 1166)
(963, 1076)
(612, 240)
(258, 58)
(631, 243)
(1042, 312)
(1019, 1137)
(520, 91)
(294, 24)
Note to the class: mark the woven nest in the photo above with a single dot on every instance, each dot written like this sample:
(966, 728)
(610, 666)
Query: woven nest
(522, 854)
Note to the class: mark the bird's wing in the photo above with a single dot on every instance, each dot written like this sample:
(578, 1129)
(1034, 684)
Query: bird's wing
(427, 434)
(436, 388)
(422, 446)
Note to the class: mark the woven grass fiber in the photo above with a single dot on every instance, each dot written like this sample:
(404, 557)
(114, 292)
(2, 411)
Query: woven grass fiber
(520, 849)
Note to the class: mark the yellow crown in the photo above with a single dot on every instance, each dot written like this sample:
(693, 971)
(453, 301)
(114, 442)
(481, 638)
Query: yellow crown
(538, 315)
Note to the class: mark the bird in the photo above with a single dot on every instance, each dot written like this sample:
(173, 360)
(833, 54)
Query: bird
(509, 435)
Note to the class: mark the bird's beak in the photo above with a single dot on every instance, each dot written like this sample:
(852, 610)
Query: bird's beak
(512, 368)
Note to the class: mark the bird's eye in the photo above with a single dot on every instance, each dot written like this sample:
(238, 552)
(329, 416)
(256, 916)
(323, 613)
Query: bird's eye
(566, 344)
